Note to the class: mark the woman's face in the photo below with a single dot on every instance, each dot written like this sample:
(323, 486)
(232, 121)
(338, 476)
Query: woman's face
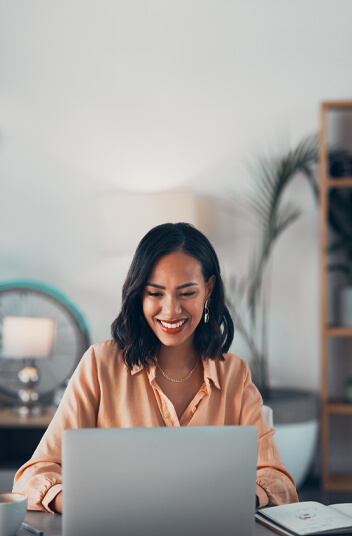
(174, 297)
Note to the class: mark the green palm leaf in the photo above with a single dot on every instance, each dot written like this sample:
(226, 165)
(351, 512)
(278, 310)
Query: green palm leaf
(271, 176)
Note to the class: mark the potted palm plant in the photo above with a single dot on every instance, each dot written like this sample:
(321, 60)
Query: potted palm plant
(248, 298)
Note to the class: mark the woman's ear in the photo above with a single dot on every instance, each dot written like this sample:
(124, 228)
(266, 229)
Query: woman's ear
(210, 286)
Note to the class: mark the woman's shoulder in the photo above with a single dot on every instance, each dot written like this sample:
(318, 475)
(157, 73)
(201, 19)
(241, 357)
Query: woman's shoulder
(105, 354)
(107, 347)
(232, 365)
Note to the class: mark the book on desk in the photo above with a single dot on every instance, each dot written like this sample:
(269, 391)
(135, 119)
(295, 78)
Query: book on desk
(307, 518)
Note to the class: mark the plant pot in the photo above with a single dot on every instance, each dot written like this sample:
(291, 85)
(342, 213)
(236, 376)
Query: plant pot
(296, 422)
(297, 446)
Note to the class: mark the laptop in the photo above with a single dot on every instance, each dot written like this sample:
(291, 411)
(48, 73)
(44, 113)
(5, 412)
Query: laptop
(185, 481)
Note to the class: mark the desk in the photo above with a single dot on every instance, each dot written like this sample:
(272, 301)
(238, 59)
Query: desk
(51, 525)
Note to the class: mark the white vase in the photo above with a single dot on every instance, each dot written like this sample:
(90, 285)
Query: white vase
(296, 421)
(297, 445)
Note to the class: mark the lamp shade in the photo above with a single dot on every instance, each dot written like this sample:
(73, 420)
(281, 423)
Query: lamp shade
(25, 337)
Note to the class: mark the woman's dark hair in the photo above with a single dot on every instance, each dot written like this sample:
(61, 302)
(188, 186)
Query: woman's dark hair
(132, 332)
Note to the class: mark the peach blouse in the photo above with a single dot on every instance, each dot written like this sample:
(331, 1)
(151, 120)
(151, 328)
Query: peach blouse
(104, 393)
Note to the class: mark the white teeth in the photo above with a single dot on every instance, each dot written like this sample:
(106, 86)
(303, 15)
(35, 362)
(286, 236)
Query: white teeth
(172, 326)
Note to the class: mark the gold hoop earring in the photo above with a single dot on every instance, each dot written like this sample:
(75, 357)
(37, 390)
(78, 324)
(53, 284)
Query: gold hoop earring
(206, 311)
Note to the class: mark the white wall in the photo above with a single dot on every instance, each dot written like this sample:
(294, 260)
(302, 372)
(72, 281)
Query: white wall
(97, 95)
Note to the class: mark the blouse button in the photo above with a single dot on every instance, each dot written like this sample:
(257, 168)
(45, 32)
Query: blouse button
(194, 409)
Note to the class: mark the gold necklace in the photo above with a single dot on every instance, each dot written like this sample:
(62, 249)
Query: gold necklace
(177, 380)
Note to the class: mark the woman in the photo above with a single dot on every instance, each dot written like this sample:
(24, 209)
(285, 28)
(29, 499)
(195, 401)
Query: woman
(167, 365)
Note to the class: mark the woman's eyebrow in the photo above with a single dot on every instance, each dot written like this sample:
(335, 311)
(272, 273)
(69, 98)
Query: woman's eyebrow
(177, 288)
(187, 285)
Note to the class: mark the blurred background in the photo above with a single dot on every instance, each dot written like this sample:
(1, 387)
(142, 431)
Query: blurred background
(109, 96)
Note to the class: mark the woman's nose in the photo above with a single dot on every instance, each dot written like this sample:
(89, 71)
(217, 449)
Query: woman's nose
(171, 306)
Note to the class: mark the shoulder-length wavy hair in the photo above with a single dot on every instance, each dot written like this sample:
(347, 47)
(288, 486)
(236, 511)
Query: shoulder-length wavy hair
(130, 329)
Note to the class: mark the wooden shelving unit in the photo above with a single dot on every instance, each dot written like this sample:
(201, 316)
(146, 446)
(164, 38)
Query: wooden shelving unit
(329, 407)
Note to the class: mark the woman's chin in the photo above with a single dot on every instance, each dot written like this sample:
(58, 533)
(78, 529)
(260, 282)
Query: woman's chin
(174, 340)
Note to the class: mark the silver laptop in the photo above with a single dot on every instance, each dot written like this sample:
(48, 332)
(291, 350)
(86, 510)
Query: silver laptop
(187, 481)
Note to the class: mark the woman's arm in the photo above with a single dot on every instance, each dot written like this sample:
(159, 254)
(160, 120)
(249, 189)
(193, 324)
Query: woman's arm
(274, 484)
(56, 504)
(41, 478)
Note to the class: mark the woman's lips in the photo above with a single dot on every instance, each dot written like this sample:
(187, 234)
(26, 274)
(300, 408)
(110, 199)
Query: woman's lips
(172, 328)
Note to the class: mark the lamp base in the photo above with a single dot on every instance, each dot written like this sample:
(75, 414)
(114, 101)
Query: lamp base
(28, 396)
(28, 411)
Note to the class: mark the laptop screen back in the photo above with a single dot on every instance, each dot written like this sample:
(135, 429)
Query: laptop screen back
(185, 481)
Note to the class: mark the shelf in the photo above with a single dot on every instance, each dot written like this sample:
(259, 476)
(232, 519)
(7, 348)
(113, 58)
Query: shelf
(337, 483)
(328, 105)
(335, 331)
(344, 182)
(338, 407)
(340, 112)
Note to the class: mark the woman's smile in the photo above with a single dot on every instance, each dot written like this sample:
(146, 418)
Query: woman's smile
(172, 327)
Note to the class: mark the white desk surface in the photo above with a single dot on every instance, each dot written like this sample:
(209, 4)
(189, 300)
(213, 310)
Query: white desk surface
(51, 525)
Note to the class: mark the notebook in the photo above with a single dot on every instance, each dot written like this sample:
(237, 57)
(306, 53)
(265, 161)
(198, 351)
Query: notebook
(184, 481)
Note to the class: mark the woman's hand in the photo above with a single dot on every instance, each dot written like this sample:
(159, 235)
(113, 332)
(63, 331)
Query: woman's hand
(57, 503)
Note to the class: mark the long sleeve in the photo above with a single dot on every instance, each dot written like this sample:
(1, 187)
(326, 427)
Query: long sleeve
(40, 478)
(275, 485)
(103, 393)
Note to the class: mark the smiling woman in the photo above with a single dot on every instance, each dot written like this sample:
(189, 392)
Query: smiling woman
(174, 312)
(174, 277)
(177, 307)
(167, 365)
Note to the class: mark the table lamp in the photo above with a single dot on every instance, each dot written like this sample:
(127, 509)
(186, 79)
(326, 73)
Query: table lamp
(27, 339)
